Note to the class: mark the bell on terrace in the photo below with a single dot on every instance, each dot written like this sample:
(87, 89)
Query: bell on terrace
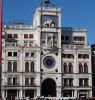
(47, 1)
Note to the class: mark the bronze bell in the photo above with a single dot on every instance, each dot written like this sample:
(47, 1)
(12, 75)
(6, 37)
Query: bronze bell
(46, 1)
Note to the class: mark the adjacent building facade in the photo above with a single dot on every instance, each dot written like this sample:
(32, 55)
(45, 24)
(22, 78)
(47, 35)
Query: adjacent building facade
(45, 59)
(93, 69)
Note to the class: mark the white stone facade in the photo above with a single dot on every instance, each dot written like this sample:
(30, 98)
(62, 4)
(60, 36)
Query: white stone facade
(46, 58)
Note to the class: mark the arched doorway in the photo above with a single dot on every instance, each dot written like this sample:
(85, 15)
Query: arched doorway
(48, 88)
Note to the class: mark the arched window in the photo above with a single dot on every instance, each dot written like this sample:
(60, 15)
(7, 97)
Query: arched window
(70, 68)
(14, 66)
(65, 68)
(80, 68)
(32, 66)
(85, 68)
(9, 66)
(26, 66)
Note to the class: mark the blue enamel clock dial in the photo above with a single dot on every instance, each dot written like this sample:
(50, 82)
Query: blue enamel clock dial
(49, 62)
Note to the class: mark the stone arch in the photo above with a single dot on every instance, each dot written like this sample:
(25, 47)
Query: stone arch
(48, 87)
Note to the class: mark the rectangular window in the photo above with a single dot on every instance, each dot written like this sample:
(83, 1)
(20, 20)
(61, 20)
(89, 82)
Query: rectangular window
(30, 43)
(64, 55)
(75, 38)
(85, 82)
(71, 82)
(26, 81)
(43, 41)
(26, 54)
(83, 56)
(9, 35)
(32, 81)
(14, 81)
(66, 37)
(86, 56)
(68, 82)
(15, 35)
(70, 56)
(32, 54)
(25, 43)
(9, 80)
(80, 55)
(79, 38)
(25, 35)
(67, 93)
(80, 82)
(15, 54)
(30, 35)
(62, 37)
(9, 54)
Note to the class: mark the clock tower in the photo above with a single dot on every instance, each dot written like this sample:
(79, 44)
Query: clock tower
(47, 20)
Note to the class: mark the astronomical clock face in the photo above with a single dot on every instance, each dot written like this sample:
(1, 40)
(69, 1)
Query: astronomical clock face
(50, 19)
(49, 62)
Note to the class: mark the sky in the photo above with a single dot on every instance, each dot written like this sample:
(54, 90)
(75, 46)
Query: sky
(75, 13)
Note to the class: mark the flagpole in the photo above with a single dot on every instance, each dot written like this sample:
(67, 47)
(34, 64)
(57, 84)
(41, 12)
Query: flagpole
(0, 45)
